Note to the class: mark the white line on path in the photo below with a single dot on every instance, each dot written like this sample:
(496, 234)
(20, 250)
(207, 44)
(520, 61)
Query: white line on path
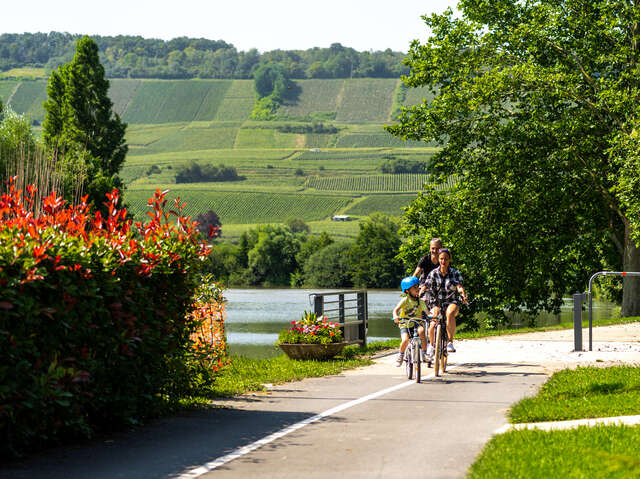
(210, 466)
(559, 425)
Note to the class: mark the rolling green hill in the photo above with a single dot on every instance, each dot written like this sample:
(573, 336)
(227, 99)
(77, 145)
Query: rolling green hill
(320, 157)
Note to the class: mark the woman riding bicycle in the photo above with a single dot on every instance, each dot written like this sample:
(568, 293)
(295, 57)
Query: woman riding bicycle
(444, 285)
(411, 306)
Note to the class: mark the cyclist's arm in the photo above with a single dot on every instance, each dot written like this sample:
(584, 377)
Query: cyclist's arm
(462, 293)
(460, 288)
(396, 311)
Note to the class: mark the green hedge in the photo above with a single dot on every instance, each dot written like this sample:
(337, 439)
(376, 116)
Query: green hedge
(94, 324)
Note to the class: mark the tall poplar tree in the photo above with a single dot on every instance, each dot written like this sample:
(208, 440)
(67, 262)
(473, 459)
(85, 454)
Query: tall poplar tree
(80, 123)
(536, 107)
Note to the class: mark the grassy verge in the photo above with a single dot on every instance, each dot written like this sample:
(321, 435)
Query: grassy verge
(585, 392)
(594, 452)
(598, 452)
(246, 374)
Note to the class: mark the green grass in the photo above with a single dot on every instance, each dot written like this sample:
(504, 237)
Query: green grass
(191, 137)
(265, 138)
(586, 392)
(247, 374)
(31, 73)
(597, 452)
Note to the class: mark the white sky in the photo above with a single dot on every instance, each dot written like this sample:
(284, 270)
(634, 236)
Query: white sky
(262, 24)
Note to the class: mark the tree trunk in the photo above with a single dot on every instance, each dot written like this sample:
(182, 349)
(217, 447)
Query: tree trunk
(630, 285)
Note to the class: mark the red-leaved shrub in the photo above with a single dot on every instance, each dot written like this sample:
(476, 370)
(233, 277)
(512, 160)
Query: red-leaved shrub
(96, 316)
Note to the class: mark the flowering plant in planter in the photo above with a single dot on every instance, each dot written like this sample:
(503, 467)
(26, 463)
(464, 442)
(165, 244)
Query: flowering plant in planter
(311, 329)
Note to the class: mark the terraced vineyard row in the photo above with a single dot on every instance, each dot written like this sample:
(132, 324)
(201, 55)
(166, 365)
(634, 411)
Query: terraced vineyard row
(245, 207)
(369, 183)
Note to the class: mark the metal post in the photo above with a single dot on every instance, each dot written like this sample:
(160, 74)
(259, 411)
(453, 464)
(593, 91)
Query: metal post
(577, 321)
(318, 304)
(362, 316)
(605, 273)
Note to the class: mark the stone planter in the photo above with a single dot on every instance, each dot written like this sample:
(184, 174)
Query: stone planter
(312, 351)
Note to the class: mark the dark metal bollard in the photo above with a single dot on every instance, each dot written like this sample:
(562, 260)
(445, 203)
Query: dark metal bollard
(578, 298)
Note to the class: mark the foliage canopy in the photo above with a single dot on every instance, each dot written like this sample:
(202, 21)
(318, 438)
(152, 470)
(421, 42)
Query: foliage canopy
(536, 107)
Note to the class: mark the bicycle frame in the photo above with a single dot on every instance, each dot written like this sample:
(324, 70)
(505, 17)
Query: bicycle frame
(412, 359)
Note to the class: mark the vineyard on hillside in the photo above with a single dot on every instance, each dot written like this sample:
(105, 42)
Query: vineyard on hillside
(238, 102)
(314, 96)
(368, 140)
(244, 207)
(367, 100)
(369, 183)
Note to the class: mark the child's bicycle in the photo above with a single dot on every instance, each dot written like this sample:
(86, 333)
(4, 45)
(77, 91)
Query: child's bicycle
(439, 360)
(412, 357)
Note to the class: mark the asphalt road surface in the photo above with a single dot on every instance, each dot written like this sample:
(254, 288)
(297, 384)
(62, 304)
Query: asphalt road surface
(365, 423)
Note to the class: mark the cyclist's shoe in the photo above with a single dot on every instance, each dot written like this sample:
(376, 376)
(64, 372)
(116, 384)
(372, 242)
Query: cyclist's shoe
(399, 359)
(430, 352)
(425, 356)
(450, 348)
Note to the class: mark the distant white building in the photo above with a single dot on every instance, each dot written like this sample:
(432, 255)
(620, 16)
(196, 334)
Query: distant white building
(341, 218)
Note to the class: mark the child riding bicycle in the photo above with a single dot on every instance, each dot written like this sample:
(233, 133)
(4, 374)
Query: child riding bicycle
(410, 306)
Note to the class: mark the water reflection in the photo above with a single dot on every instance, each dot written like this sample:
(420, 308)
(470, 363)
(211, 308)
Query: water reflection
(255, 316)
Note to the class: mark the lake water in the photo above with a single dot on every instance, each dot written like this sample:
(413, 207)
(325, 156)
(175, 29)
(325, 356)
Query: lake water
(255, 316)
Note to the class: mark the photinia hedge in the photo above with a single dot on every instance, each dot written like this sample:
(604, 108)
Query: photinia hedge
(95, 315)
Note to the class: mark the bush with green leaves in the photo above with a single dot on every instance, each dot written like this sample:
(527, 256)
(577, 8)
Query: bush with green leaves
(93, 315)
(196, 173)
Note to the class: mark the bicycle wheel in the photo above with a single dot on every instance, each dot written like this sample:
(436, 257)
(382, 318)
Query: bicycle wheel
(408, 362)
(438, 352)
(417, 360)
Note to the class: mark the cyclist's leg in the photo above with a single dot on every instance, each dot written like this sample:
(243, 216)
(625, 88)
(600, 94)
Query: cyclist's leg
(423, 338)
(451, 313)
(404, 336)
(432, 324)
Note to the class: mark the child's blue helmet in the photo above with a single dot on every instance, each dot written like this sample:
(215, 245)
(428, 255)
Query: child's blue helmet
(408, 282)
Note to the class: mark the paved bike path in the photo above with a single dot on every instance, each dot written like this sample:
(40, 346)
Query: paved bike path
(449, 418)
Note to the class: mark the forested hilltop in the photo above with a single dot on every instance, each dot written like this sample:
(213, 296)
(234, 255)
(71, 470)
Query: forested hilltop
(138, 57)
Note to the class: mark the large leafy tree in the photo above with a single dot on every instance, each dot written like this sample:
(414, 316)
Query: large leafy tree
(80, 121)
(536, 107)
(373, 254)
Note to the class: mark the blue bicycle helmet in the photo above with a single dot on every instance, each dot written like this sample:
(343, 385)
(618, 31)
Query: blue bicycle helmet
(408, 282)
